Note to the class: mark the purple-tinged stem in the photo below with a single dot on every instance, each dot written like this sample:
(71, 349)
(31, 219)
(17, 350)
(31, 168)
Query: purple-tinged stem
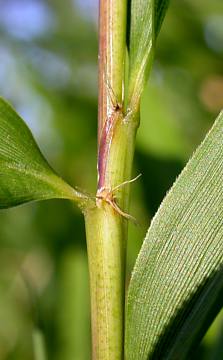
(112, 37)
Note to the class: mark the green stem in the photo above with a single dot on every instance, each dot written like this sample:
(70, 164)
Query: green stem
(112, 38)
(106, 228)
(106, 232)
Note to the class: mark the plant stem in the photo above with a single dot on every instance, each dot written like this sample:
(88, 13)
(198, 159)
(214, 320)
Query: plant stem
(106, 232)
(106, 228)
(112, 37)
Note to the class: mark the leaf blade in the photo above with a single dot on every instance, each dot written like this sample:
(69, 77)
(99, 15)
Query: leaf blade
(161, 7)
(183, 249)
(146, 20)
(25, 175)
(141, 48)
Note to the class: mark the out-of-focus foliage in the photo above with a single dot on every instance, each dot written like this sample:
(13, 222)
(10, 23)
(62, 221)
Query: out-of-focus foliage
(48, 57)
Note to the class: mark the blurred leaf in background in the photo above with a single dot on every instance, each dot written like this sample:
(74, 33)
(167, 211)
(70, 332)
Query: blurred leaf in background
(48, 55)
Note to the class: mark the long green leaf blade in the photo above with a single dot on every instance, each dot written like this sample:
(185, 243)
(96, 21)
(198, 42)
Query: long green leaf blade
(24, 173)
(178, 277)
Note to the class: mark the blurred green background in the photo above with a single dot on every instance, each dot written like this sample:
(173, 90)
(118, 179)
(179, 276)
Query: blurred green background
(48, 70)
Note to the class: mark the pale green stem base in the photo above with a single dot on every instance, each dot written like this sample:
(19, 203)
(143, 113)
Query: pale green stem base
(106, 266)
(106, 232)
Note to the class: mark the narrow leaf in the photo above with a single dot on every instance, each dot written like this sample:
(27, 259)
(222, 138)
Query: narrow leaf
(141, 47)
(177, 283)
(24, 173)
(146, 19)
(160, 11)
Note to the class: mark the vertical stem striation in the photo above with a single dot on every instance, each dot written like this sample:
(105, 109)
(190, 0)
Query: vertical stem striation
(104, 235)
(112, 37)
(106, 228)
